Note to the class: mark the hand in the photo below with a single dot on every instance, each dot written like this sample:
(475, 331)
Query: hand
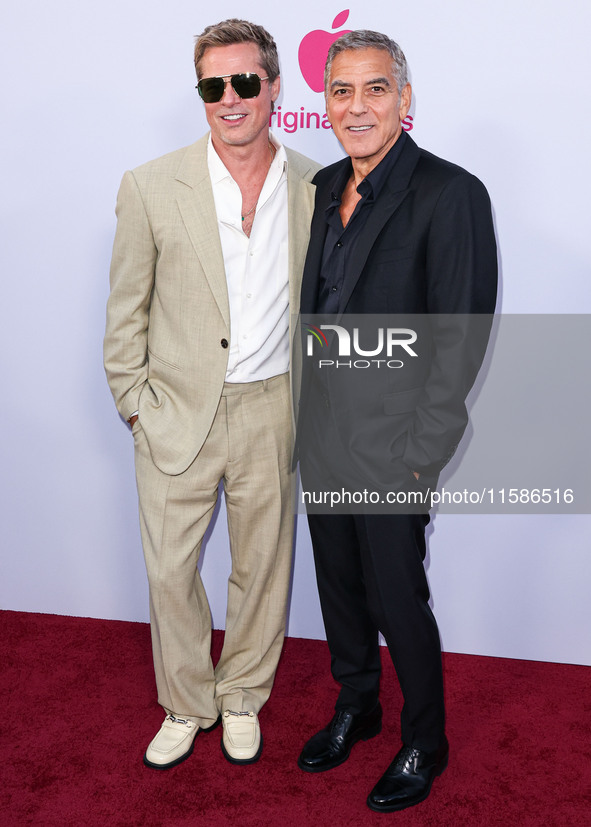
(132, 420)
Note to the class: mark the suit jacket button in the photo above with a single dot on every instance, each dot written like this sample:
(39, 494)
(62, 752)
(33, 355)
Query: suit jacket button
(224, 343)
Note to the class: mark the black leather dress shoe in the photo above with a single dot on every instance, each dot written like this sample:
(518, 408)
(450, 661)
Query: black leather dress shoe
(332, 745)
(408, 779)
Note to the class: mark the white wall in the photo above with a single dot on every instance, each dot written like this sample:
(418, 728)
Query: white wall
(90, 91)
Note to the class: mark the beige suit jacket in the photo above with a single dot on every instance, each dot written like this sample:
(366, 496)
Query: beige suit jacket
(168, 311)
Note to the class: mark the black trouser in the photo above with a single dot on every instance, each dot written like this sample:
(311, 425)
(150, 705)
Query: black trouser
(371, 577)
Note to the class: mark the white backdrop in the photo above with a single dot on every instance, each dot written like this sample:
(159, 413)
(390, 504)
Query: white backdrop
(91, 90)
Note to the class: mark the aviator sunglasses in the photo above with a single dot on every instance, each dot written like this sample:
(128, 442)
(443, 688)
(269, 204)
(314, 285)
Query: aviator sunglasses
(245, 84)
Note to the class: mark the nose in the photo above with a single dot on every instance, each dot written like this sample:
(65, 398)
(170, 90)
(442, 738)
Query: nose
(229, 98)
(358, 102)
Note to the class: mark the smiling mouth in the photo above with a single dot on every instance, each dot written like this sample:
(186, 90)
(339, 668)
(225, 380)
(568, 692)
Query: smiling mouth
(360, 128)
(236, 117)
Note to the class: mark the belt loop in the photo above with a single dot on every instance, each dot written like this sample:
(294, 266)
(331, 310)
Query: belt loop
(265, 383)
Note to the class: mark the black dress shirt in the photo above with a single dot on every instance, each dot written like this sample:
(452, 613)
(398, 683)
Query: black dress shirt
(340, 241)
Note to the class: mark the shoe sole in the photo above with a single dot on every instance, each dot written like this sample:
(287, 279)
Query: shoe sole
(185, 755)
(365, 736)
(404, 805)
(252, 760)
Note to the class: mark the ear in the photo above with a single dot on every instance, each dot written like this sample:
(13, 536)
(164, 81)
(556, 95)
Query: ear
(405, 101)
(275, 88)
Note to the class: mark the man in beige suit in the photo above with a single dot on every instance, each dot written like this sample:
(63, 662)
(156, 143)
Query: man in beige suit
(206, 268)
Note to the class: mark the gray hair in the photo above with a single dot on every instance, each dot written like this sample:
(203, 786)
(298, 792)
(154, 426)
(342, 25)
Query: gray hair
(364, 39)
(233, 31)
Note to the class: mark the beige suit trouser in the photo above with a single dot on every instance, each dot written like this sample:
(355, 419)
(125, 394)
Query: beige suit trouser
(249, 447)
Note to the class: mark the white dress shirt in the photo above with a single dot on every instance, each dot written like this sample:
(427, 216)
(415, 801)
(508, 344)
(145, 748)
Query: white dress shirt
(257, 270)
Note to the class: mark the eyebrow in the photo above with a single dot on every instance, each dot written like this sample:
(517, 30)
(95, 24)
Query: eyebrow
(372, 82)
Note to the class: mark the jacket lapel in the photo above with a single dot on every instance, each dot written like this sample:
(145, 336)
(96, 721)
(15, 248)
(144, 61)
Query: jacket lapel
(197, 208)
(316, 247)
(300, 208)
(390, 198)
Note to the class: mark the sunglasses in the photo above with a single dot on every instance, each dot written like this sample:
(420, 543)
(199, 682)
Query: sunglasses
(245, 84)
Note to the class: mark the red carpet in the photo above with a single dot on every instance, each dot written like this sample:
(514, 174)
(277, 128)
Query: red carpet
(80, 709)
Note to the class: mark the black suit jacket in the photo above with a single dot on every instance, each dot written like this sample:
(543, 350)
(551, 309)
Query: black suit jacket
(427, 258)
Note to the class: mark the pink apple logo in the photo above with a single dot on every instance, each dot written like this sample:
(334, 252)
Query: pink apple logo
(314, 49)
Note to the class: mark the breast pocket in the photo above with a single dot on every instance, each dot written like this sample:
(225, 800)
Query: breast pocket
(386, 258)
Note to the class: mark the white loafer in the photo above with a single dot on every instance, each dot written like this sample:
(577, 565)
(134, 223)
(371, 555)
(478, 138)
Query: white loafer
(173, 743)
(242, 742)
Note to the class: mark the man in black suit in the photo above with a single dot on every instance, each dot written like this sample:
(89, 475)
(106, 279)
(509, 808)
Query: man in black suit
(395, 231)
